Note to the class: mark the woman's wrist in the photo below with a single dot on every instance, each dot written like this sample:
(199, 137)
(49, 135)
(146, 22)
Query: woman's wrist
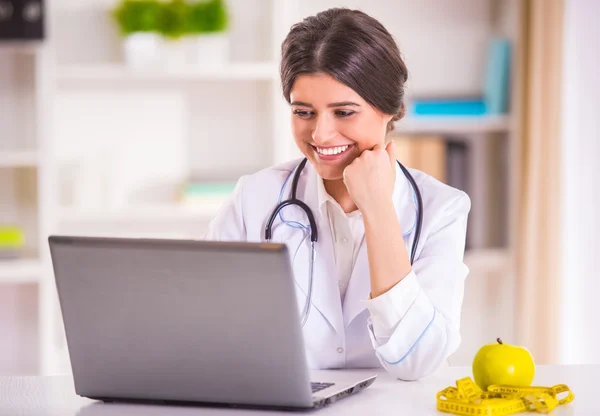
(377, 211)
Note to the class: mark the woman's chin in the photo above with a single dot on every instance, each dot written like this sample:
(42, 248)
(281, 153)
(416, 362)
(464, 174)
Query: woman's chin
(330, 174)
(328, 170)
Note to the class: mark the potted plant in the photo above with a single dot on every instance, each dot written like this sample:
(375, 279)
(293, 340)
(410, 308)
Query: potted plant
(173, 28)
(138, 22)
(207, 24)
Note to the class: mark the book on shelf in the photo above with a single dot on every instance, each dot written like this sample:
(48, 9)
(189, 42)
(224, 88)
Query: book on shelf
(458, 173)
(457, 165)
(425, 153)
(445, 159)
(203, 193)
(497, 76)
(12, 241)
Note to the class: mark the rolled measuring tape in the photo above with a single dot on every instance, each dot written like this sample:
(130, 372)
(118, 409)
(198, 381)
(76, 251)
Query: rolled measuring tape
(468, 399)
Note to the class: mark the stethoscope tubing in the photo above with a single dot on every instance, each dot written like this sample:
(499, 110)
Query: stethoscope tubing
(293, 200)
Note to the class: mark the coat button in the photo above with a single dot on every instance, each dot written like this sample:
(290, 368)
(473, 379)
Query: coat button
(340, 350)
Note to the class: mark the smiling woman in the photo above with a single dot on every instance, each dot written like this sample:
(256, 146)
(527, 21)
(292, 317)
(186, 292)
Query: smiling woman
(389, 276)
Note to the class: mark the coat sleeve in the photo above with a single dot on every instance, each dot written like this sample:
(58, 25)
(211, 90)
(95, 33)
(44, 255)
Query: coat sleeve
(414, 327)
(228, 223)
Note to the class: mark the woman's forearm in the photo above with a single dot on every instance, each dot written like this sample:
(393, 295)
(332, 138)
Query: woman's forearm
(388, 260)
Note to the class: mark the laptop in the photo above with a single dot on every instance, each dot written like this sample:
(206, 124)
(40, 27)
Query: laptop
(185, 321)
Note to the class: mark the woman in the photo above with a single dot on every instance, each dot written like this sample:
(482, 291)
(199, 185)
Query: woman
(343, 77)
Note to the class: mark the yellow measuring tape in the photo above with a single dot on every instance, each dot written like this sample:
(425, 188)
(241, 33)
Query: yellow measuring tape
(468, 399)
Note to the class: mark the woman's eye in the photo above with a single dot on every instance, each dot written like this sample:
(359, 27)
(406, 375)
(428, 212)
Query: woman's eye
(303, 113)
(343, 113)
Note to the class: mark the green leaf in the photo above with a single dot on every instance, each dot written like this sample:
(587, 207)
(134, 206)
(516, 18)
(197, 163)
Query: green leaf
(208, 17)
(134, 16)
(171, 18)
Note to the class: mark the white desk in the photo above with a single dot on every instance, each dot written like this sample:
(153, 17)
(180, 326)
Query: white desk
(55, 396)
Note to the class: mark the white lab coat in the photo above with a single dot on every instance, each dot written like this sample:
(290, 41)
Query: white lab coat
(341, 335)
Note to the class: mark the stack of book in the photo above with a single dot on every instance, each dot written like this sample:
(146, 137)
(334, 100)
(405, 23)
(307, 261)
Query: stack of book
(210, 193)
(425, 153)
(445, 160)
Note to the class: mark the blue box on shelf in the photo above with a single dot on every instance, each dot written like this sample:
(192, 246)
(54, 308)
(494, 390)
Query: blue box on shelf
(447, 107)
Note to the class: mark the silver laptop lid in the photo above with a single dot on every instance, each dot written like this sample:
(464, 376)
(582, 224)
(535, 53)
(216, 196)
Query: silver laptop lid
(181, 320)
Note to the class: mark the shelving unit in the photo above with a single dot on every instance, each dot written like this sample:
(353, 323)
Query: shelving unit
(19, 159)
(26, 189)
(93, 117)
(487, 259)
(20, 271)
(121, 73)
(453, 125)
(21, 47)
(171, 212)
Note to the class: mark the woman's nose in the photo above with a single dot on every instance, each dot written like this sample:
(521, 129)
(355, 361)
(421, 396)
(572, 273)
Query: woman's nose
(324, 131)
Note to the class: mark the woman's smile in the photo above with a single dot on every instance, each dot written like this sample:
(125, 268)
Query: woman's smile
(332, 153)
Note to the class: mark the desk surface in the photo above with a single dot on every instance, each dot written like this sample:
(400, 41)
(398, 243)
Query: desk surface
(54, 396)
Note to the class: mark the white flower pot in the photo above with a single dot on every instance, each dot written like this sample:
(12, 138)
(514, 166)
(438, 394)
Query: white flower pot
(173, 53)
(141, 49)
(208, 50)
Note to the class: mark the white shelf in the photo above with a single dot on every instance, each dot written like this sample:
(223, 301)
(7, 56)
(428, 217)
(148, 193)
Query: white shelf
(20, 271)
(120, 72)
(453, 124)
(18, 158)
(487, 259)
(21, 46)
(156, 213)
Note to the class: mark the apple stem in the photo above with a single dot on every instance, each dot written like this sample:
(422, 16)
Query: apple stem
(499, 341)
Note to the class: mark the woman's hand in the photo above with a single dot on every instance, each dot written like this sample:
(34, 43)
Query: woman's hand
(370, 180)
(371, 177)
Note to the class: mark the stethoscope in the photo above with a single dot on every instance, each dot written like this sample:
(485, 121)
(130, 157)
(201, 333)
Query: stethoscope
(293, 200)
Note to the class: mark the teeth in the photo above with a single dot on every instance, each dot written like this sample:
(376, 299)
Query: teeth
(332, 150)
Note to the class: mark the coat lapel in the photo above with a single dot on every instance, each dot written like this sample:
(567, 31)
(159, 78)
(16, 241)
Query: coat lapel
(359, 287)
(325, 294)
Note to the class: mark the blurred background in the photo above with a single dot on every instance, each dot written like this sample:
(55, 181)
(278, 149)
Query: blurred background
(135, 118)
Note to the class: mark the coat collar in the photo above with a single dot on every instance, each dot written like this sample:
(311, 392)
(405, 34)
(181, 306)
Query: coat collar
(323, 197)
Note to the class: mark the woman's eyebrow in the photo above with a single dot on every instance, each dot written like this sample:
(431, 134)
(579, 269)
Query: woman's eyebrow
(339, 104)
(303, 104)
(343, 104)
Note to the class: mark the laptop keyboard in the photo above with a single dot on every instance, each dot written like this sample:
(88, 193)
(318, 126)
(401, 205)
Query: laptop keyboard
(320, 386)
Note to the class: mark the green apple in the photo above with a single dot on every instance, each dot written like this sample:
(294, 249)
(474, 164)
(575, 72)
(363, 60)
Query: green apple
(503, 364)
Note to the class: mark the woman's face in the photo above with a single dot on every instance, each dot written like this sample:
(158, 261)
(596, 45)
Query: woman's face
(332, 124)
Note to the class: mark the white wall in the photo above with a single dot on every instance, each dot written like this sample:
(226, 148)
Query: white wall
(579, 306)
(443, 43)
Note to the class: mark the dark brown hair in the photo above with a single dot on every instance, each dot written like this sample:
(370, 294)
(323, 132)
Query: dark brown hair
(352, 47)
